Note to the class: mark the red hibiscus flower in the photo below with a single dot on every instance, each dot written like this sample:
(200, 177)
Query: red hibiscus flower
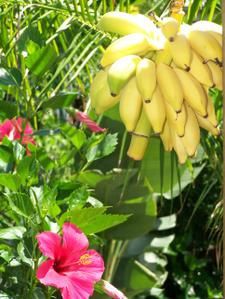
(93, 126)
(70, 266)
(17, 129)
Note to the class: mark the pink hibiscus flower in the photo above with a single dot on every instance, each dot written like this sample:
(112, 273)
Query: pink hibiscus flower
(70, 266)
(17, 129)
(93, 126)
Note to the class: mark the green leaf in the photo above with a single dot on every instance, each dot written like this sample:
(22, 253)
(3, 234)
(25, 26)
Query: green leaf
(12, 233)
(29, 34)
(77, 198)
(21, 252)
(26, 168)
(21, 204)
(92, 220)
(103, 222)
(61, 100)
(6, 159)
(41, 60)
(76, 136)
(8, 110)
(10, 76)
(136, 277)
(90, 177)
(150, 169)
(101, 147)
(138, 215)
(10, 181)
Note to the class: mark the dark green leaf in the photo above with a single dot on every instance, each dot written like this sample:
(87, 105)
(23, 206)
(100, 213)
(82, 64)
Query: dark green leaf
(29, 34)
(61, 100)
(6, 159)
(10, 76)
(8, 110)
(150, 169)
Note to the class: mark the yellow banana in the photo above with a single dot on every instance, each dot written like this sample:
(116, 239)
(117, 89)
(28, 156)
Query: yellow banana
(97, 83)
(140, 138)
(177, 121)
(166, 137)
(155, 111)
(164, 55)
(123, 23)
(170, 86)
(101, 98)
(216, 74)
(200, 70)
(191, 138)
(205, 45)
(121, 71)
(218, 37)
(132, 44)
(143, 127)
(179, 147)
(130, 105)
(207, 26)
(210, 108)
(181, 52)
(146, 78)
(137, 148)
(206, 124)
(169, 27)
(193, 91)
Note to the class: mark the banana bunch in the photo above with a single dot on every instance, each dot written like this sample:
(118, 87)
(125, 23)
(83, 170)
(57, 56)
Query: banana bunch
(161, 75)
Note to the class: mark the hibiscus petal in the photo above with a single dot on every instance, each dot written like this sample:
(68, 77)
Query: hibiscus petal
(49, 244)
(75, 243)
(49, 277)
(6, 128)
(77, 290)
(91, 267)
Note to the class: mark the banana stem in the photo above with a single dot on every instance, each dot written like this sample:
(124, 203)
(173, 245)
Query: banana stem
(122, 148)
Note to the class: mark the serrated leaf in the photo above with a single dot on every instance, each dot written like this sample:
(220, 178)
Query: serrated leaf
(76, 136)
(102, 147)
(81, 216)
(103, 222)
(92, 220)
